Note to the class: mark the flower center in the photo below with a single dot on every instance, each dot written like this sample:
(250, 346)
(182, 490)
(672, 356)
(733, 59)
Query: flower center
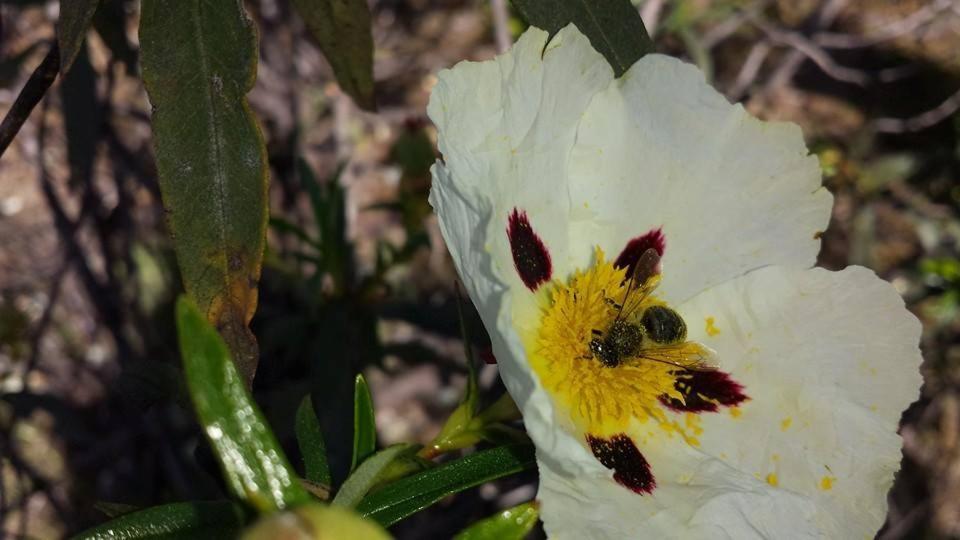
(608, 351)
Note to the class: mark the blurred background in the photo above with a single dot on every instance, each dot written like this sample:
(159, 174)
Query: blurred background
(92, 407)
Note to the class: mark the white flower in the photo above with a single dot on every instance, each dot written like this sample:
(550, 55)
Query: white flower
(556, 178)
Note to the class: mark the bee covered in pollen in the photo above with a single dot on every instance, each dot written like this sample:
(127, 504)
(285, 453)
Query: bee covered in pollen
(655, 333)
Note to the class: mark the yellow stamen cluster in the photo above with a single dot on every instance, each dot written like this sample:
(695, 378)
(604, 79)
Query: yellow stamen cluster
(600, 400)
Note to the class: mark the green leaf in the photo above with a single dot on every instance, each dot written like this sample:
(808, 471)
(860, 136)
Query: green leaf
(284, 226)
(342, 29)
(370, 473)
(253, 464)
(75, 19)
(186, 520)
(312, 446)
(614, 27)
(364, 423)
(329, 211)
(456, 432)
(317, 522)
(414, 493)
(511, 524)
(199, 61)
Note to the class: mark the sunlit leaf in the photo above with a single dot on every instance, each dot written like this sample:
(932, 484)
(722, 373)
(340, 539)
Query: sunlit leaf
(511, 524)
(614, 27)
(253, 464)
(315, 522)
(75, 19)
(364, 423)
(369, 474)
(199, 62)
(312, 446)
(342, 29)
(414, 493)
(188, 520)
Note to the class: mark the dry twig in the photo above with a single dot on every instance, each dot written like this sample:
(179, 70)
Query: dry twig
(29, 96)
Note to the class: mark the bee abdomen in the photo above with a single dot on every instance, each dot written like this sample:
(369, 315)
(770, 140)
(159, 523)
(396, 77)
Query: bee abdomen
(664, 325)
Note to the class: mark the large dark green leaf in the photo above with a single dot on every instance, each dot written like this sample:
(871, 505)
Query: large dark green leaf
(201, 520)
(364, 423)
(199, 61)
(342, 29)
(253, 464)
(614, 27)
(510, 524)
(312, 446)
(414, 493)
(75, 19)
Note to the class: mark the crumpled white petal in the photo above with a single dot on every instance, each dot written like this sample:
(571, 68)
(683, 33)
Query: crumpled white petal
(830, 360)
(661, 148)
(595, 161)
(506, 128)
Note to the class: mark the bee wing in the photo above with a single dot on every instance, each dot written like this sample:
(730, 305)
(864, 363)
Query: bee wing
(644, 277)
(688, 355)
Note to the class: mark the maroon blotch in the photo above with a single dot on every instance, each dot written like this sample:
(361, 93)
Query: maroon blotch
(705, 391)
(530, 255)
(630, 468)
(631, 253)
(486, 354)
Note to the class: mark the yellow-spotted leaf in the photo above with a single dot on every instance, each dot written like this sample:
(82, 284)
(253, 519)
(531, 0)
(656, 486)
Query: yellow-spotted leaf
(199, 61)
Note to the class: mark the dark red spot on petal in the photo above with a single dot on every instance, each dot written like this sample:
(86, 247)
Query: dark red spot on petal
(486, 354)
(634, 249)
(705, 391)
(619, 454)
(530, 255)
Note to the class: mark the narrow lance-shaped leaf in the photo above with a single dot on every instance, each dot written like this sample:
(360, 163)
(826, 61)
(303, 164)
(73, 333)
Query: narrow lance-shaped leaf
(614, 27)
(342, 29)
(253, 464)
(209, 520)
(510, 524)
(75, 19)
(199, 62)
(364, 423)
(414, 493)
(312, 446)
(369, 474)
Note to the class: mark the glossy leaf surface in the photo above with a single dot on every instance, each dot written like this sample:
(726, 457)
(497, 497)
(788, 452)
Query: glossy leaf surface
(252, 462)
(188, 520)
(414, 493)
(510, 524)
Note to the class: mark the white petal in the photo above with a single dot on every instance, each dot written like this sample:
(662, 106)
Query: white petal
(660, 147)
(506, 128)
(829, 360)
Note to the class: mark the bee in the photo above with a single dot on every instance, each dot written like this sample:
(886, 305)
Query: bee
(658, 335)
